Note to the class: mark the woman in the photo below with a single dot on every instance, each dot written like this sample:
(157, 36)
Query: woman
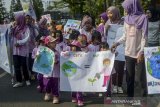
(20, 50)
(87, 27)
(153, 28)
(135, 34)
(117, 77)
(100, 28)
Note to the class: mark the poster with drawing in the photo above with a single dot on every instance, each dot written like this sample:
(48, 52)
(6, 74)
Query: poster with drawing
(85, 72)
(48, 17)
(152, 63)
(4, 59)
(72, 24)
(44, 61)
(28, 8)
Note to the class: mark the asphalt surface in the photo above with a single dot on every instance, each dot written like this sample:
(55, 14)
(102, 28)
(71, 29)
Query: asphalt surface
(28, 96)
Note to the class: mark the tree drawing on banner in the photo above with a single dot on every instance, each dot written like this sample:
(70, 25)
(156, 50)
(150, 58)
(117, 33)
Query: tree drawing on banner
(153, 64)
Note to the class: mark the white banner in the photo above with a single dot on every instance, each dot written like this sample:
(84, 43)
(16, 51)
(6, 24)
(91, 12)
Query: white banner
(152, 62)
(85, 72)
(4, 60)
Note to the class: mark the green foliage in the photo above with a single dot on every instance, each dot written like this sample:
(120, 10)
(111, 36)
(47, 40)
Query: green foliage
(38, 7)
(3, 12)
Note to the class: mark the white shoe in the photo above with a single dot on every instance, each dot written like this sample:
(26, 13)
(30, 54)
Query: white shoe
(120, 90)
(55, 100)
(18, 84)
(47, 97)
(114, 90)
(28, 83)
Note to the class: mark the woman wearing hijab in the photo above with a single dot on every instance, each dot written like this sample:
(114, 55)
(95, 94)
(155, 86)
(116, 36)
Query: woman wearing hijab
(87, 27)
(100, 28)
(135, 35)
(153, 27)
(20, 50)
(43, 28)
(117, 77)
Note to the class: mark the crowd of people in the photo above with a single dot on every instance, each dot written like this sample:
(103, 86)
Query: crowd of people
(140, 29)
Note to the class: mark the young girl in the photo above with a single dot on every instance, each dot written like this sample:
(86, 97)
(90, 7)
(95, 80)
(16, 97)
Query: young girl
(100, 27)
(40, 42)
(77, 97)
(135, 35)
(60, 45)
(96, 40)
(52, 83)
(117, 78)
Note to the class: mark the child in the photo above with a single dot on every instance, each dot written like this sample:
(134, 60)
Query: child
(96, 40)
(40, 42)
(60, 45)
(52, 83)
(76, 96)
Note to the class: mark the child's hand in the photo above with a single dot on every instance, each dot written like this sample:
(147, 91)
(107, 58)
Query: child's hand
(113, 47)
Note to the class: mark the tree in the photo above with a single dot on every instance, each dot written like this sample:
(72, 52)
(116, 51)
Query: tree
(12, 8)
(3, 12)
(38, 7)
(18, 6)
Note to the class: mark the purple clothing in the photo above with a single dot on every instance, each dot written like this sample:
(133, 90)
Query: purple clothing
(135, 15)
(56, 69)
(100, 28)
(77, 96)
(93, 48)
(104, 16)
(22, 40)
(40, 82)
(20, 24)
(60, 47)
(51, 85)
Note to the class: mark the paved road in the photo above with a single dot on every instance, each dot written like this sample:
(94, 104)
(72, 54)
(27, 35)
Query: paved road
(29, 97)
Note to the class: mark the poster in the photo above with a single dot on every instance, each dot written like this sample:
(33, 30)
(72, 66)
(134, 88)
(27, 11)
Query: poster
(152, 63)
(4, 59)
(48, 17)
(28, 8)
(44, 61)
(72, 24)
(121, 48)
(85, 72)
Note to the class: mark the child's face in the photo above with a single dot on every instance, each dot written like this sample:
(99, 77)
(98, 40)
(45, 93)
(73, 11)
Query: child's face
(52, 45)
(110, 15)
(96, 42)
(73, 49)
(103, 49)
(148, 13)
(102, 21)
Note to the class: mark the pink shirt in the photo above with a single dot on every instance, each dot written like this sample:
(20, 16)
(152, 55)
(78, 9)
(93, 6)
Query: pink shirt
(134, 40)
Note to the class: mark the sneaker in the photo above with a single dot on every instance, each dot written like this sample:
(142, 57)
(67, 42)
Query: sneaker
(114, 90)
(120, 90)
(55, 100)
(18, 84)
(47, 97)
(80, 103)
(28, 83)
(100, 94)
(33, 77)
(74, 100)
